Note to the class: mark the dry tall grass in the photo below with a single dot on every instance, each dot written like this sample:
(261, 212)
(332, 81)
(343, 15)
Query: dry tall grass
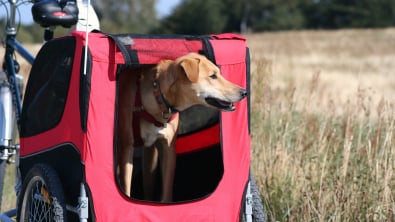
(323, 120)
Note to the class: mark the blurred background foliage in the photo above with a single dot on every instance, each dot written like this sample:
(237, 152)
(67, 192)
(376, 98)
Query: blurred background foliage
(198, 17)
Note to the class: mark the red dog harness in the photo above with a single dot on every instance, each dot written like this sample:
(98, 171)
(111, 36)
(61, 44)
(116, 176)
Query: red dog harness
(169, 114)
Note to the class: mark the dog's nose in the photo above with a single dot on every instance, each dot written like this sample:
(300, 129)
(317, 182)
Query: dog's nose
(243, 92)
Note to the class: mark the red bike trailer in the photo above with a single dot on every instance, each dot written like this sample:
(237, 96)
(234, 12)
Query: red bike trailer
(68, 125)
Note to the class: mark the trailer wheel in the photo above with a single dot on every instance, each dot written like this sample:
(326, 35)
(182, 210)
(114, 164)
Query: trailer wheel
(42, 196)
(257, 212)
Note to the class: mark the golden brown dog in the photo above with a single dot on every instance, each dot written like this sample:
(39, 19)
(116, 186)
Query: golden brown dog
(154, 94)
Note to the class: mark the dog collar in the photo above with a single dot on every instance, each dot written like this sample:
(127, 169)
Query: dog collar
(166, 107)
(168, 111)
(140, 112)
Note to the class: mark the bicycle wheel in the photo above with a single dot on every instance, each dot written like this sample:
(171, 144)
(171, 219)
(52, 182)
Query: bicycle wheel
(42, 196)
(3, 164)
(258, 214)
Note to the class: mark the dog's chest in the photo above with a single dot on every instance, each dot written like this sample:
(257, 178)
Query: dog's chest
(151, 133)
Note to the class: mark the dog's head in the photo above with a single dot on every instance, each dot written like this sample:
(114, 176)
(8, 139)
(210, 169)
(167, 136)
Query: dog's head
(199, 81)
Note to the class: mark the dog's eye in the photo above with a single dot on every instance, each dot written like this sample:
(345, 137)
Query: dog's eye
(213, 76)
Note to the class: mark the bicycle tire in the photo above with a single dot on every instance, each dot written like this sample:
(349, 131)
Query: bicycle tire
(258, 213)
(3, 164)
(42, 197)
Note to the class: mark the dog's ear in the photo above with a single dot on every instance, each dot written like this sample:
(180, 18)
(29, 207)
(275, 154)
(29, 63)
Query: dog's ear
(191, 68)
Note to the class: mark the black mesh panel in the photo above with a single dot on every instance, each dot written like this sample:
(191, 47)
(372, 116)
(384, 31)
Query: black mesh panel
(47, 87)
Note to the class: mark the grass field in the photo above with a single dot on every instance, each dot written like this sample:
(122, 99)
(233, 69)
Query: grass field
(323, 119)
(323, 124)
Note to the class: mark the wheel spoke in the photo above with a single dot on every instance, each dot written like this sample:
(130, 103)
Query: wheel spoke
(40, 206)
(42, 196)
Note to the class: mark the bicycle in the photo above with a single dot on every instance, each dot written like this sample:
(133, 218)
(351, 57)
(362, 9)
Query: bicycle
(49, 14)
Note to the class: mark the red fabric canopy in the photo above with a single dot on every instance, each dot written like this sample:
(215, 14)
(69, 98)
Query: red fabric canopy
(96, 145)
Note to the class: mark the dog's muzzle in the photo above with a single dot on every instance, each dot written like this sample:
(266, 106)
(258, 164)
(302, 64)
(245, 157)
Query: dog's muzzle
(223, 104)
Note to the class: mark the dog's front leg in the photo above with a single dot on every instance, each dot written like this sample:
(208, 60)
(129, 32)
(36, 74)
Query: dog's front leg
(125, 140)
(168, 170)
(126, 169)
(150, 166)
(125, 150)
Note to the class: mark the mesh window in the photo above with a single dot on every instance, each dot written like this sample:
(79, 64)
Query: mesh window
(197, 118)
(198, 170)
(47, 87)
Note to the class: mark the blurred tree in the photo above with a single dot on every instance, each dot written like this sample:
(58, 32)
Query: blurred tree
(335, 14)
(126, 16)
(31, 33)
(195, 17)
(380, 13)
(237, 13)
(276, 15)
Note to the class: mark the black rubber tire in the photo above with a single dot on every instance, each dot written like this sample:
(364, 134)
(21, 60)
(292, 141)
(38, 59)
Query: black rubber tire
(3, 164)
(42, 196)
(258, 214)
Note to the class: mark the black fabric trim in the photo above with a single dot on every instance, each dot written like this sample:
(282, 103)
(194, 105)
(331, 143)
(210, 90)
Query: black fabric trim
(248, 76)
(208, 50)
(85, 88)
(131, 56)
(122, 41)
(134, 56)
(121, 47)
(161, 36)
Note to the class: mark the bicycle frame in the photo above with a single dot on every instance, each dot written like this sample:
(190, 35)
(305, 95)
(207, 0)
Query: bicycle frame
(11, 86)
(10, 91)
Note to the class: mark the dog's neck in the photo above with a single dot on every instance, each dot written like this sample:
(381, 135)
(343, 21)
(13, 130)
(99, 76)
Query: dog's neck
(166, 107)
(154, 87)
(162, 82)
